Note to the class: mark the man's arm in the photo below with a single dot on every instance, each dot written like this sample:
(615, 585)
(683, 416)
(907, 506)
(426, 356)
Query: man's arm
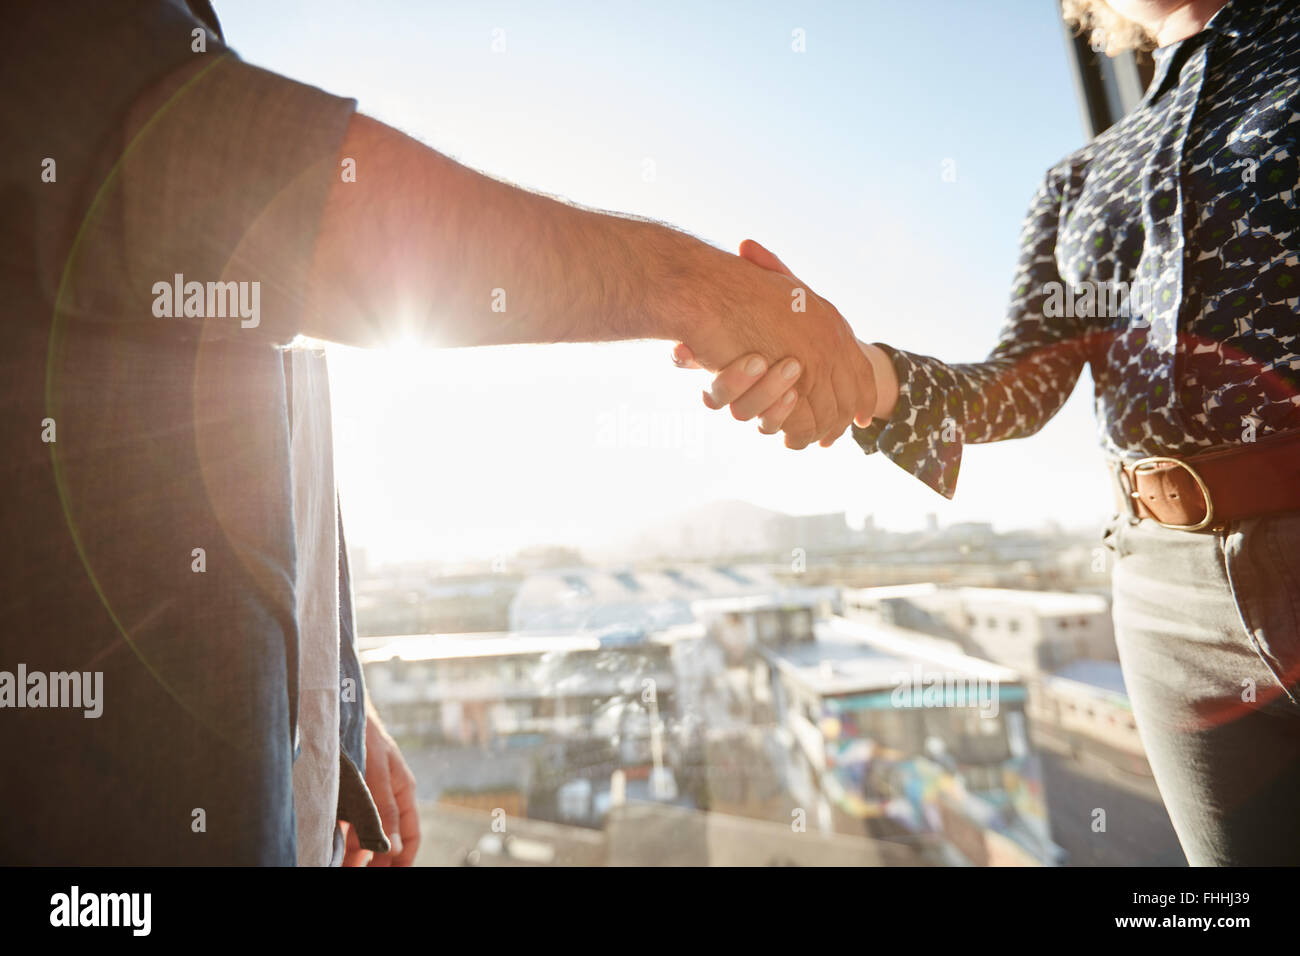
(419, 244)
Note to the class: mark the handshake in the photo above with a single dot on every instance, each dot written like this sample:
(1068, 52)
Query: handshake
(790, 360)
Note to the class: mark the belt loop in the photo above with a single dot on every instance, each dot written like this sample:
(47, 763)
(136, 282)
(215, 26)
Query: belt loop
(1126, 491)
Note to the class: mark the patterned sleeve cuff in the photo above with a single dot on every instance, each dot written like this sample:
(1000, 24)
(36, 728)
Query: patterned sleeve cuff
(924, 435)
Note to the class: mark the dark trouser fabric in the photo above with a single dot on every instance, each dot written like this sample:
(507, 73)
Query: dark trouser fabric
(1209, 639)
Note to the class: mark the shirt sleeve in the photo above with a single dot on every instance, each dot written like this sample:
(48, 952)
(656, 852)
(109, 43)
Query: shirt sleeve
(1011, 394)
(216, 192)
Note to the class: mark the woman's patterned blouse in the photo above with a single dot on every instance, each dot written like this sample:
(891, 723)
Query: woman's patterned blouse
(1165, 253)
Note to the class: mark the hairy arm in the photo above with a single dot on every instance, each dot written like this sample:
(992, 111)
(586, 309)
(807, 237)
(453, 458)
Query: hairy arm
(422, 245)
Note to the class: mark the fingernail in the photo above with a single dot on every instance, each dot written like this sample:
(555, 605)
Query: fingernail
(791, 369)
(396, 842)
(755, 366)
(787, 399)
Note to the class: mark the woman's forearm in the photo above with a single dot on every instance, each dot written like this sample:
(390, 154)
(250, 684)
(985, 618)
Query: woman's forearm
(886, 379)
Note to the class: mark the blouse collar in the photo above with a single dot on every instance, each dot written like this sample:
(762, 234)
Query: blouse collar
(1236, 19)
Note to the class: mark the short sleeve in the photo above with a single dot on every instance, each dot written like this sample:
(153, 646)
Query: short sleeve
(207, 221)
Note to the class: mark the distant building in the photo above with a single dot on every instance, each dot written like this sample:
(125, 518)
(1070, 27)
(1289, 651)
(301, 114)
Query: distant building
(907, 737)
(743, 626)
(420, 601)
(812, 534)
(891, 733)
(510, 690)
(1085, 706)
(539, 722)
(582, 599)
(1063, 644)
(1031, 631)
(1036, 631)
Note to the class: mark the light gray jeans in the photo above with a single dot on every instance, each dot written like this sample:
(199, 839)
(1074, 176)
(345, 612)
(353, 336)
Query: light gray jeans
(1208, 631)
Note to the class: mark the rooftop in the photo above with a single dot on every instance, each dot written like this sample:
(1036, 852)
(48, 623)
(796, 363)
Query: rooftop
(784, 599)
(1103, 674)
(894, 591)
(687, 582)
(1048, 603)
(850, 657)
(442, 647)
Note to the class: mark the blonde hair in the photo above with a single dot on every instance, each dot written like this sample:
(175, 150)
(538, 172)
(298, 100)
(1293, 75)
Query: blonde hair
(1107, 31)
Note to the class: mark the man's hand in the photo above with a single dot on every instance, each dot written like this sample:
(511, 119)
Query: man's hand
(753, 388)
(779, 316)
(392, 785)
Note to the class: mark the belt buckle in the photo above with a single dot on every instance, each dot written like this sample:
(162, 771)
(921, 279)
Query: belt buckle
(1196, 477)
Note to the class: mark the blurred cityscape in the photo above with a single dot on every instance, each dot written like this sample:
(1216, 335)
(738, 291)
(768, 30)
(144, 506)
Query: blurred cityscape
(742, 687)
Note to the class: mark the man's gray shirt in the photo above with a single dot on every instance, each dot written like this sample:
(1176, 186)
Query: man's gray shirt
(147, 513)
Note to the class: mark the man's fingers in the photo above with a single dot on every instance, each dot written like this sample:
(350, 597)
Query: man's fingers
(734, 380)
(353, 855)
(381, 788)
(827, 440)
(400, 808)
(848, 380)
(767, 391)
(821, 399)
(800, 426)
(404, 795)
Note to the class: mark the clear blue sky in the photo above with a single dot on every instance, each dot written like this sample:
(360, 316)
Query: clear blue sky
(703, 116)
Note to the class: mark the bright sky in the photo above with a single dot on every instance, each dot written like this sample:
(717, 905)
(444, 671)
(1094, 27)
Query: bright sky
(704, 117)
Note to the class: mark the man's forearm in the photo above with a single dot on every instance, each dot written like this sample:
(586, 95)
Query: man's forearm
(422, 245)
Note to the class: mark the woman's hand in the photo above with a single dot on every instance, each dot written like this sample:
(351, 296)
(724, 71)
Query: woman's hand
(751, 388)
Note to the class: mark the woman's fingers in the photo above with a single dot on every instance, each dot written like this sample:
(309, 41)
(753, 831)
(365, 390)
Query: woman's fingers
(755, 391)
(735, 380)
(767, 391)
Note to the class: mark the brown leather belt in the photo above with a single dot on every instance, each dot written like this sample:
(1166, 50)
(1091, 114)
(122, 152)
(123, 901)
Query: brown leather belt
(1214, 488)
